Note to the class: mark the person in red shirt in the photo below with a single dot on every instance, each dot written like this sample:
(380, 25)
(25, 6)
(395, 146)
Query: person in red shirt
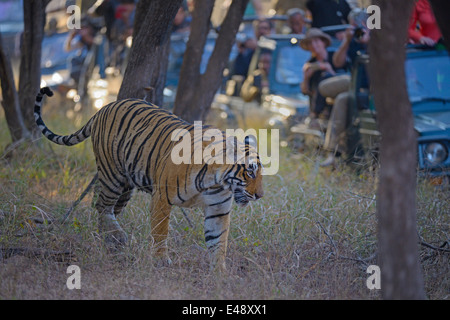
(423, 28)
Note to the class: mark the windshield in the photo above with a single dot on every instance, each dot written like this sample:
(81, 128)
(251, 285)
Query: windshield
(428, 77)
(53, 53)
(289, 64)
(11, 12)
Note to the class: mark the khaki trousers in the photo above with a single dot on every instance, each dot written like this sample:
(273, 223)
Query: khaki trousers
(331, 87)
(335, 138)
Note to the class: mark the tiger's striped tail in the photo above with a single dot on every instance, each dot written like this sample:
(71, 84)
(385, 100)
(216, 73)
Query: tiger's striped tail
(69, 140)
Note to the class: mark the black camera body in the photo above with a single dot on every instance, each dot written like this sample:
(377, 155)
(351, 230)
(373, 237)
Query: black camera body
(358, 32)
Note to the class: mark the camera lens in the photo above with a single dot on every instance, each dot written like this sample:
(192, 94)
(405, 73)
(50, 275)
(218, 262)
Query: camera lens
(359, 32)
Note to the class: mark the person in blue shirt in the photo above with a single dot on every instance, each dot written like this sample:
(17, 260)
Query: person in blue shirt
(247, 47)
(355, 43)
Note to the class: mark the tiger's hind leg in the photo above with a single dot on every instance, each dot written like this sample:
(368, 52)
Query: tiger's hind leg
(123, 200)
(160, 214)
(108, 200)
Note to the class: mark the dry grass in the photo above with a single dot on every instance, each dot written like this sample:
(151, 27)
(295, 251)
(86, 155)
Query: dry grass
(311, 237)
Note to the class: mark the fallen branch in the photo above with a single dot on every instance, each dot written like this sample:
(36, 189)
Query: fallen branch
(441, 248)
(85, 192)
(365, 261)
(335, 250)
(37, 253)
(329, 238)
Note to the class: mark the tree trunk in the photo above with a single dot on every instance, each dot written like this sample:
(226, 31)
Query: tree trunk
(441, 9)
(30, 60)
(196, 91)
(158, 80)
(401, 276)
(190, 69)
(10, 101)
(147, 62)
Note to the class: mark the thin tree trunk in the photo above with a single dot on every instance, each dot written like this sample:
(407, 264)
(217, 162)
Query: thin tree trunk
(196, 91)
(10, 101)
(401, 276)
(30, 62)
(148, 55)
(190, 69)
(158, 81)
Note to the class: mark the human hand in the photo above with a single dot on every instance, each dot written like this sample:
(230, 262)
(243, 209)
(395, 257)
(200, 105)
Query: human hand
(427, 41)
(364, 38)
(349, 33)
(326, 66)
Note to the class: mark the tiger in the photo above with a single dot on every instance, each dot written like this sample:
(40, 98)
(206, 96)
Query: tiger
(132, 143)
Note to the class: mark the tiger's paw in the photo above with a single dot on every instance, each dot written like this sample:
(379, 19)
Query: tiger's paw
(116, 238)
(161, 258)
(112, 232)
(218, 268)
(162, 261)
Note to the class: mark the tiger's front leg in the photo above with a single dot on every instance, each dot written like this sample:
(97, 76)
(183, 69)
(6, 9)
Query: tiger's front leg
(217, 226)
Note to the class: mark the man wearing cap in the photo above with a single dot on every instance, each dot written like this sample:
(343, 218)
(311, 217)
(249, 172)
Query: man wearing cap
(316, 69)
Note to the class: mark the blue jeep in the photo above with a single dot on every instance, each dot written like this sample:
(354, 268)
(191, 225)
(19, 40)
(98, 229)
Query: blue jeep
(428, 82)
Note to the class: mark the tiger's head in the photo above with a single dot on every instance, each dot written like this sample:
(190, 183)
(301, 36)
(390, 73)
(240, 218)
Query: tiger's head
(245, 178)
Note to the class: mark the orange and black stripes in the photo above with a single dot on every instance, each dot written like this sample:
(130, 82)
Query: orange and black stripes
(132, 142)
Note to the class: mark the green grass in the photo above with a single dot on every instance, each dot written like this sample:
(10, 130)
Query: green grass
(312, 236)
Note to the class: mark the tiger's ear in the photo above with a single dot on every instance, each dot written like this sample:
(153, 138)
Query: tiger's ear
(250, 140)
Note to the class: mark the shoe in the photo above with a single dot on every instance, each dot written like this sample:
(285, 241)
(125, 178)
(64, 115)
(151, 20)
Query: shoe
(329, 161)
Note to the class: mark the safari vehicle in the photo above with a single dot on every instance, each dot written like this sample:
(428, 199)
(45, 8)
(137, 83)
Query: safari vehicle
(428, 83)
(282, 105)
(280, 102)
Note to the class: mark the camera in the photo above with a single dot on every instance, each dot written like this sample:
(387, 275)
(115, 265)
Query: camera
(358, 32)
(358, 17)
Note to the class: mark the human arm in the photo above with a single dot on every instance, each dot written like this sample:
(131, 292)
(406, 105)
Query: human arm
(249, 90)
(415, 35)
(309, 69)
(340, 56)
(68, 45)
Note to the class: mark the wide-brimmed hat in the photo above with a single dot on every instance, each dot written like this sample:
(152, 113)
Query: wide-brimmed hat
(314, 33)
